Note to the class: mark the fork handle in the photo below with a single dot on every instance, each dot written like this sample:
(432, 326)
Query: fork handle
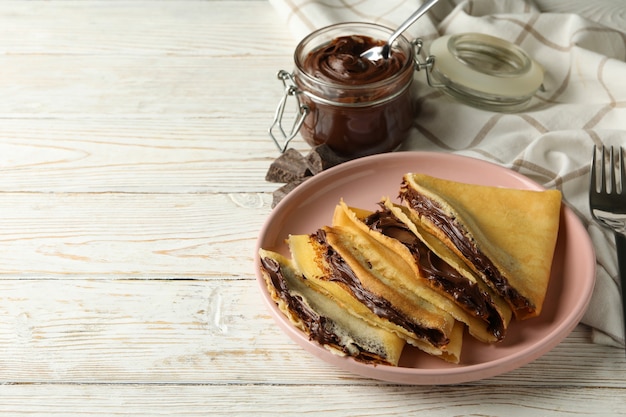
(620, 244)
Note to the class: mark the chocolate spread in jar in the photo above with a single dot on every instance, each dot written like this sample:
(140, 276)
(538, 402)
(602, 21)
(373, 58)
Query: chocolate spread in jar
(340, 62)
(356, 106)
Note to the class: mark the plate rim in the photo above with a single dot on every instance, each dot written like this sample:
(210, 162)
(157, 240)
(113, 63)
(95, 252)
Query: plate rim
(430, 376)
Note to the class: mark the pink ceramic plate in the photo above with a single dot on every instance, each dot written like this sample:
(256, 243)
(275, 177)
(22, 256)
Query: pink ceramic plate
(362, 183)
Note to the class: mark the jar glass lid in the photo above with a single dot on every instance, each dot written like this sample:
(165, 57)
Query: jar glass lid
(484, 71)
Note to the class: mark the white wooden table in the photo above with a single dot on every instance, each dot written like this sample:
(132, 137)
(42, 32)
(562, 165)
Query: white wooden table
(132, 160)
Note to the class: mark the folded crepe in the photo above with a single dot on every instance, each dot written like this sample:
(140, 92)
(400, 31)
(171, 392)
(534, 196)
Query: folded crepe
(428, 268)
(351, 271)
(506, 236)
(322, 319)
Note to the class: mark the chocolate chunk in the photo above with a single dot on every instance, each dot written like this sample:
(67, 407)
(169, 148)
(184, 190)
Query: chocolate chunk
(290, 166)
(281, 192)
(323, 157)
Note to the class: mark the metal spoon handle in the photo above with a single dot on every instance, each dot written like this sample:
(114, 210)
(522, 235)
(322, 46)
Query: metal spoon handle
(418, 13)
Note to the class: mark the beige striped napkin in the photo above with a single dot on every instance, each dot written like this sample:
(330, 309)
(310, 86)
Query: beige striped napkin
(584, 104)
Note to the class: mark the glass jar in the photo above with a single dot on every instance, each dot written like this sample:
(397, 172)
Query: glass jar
(354, 114)
(375, 116)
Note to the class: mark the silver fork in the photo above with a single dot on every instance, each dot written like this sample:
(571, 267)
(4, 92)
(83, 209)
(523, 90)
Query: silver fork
(608, 204)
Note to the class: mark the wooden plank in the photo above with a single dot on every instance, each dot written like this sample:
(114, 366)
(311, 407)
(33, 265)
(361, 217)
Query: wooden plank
(216, 331)
(172, 155)
(341, 401)
(210, 28)
(44, 85)
(140, 235)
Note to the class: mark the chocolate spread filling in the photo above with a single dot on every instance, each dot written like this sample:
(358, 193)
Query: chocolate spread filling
(341, 272)
(433, 212)
(317, 324)
(439, 273)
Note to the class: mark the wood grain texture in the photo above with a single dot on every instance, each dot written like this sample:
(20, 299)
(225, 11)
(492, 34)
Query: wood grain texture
(133, 150)
(175, 235)
(342, 400)
(135, 155)
(143, 27)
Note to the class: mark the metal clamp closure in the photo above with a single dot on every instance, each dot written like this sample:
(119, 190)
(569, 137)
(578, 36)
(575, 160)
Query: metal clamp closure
(290, 90)
(427, 65)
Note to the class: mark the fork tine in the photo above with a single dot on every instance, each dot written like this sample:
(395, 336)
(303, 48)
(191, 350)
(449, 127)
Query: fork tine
(612, 169)
(603, 171)
(622, 170)
(593, 181)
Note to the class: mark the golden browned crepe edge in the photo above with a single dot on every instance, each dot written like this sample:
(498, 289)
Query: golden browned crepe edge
(493, 218)
(351, 218)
